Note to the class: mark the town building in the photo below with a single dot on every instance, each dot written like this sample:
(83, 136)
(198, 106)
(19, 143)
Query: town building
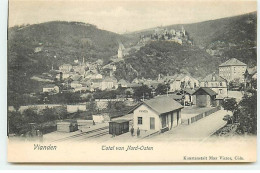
(216, 83)
(180, 81)
(50, 88)
(205, 97)
(232, 69)
(65, 68)
(95, 84)
(67, 126)
(109, 83)
(123, 83)
(161, 114)
(75, 84)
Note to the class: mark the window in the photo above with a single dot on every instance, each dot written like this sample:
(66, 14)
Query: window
(220, 91)
(140, 120)
(220, 84)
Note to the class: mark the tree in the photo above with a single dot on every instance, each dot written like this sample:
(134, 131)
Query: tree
(15, 122)
(247, 115)
(230, 104)
(162, 89)
(30, 115)
(142, 91)
(61, 112)
(254, 83)
(92, 107)
(119, 105)
(49, 114)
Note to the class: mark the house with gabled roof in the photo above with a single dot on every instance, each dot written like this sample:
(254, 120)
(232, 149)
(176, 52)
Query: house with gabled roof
(109, 83)
(177, 82)
(65, 68)
(205, 97)
(123, 83)
(232, 69)
(216, 83)
(161, 113)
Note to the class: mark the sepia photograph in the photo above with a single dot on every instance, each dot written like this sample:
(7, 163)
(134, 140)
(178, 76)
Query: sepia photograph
(132, 81)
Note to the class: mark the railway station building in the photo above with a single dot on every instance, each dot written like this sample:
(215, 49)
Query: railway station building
(161, 114)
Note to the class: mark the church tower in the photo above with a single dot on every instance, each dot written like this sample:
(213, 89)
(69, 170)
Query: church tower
(83, 60)
(120, 52)
(183, 30)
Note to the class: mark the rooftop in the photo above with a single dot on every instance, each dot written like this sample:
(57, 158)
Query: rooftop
(163, 104)
(189, 91)
(120, 120)
(49, 86)
(173, 96)
(231, 62)
(213, 78)
(207, 90)
(110, 79)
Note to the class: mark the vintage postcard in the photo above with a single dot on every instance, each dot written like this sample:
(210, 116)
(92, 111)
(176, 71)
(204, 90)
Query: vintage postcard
(132, 81)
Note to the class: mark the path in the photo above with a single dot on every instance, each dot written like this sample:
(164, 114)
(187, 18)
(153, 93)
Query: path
(196, 131)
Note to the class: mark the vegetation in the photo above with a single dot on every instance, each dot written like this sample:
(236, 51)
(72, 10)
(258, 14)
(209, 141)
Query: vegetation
(163, 57)
(19, 123)
(247, 115)
(142, 92)
(162, 89)
(61, 98)
(230, 104)
(244, 113)
(33, 49)
(226, 38)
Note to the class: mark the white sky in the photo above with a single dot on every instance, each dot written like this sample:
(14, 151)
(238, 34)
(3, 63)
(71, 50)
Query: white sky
(122, 16)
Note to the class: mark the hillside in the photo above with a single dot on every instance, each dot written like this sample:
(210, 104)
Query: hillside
(233, 37)
(33, 49)
(165, 57)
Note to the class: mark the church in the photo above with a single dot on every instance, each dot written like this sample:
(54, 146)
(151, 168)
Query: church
(120, 52)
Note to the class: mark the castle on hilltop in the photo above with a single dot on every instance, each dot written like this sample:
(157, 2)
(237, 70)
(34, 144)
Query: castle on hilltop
(178, 36)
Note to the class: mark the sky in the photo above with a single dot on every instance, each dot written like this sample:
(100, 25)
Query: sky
(128, 15)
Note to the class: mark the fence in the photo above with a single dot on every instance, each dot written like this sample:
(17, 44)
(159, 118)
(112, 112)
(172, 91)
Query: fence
(202, 115)
(196, 118)
(212, 111)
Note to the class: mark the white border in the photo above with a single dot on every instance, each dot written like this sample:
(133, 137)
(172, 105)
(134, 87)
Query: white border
(3, 109)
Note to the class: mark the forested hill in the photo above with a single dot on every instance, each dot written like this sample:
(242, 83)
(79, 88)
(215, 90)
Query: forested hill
(66, 41)
(167, 57)
(232, 37)
(33, 49)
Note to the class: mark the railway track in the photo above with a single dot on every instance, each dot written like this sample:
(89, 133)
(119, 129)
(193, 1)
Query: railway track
(83, 134)
(103, 133)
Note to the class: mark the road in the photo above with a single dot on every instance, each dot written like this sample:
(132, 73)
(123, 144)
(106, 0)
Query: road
(196, 131)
